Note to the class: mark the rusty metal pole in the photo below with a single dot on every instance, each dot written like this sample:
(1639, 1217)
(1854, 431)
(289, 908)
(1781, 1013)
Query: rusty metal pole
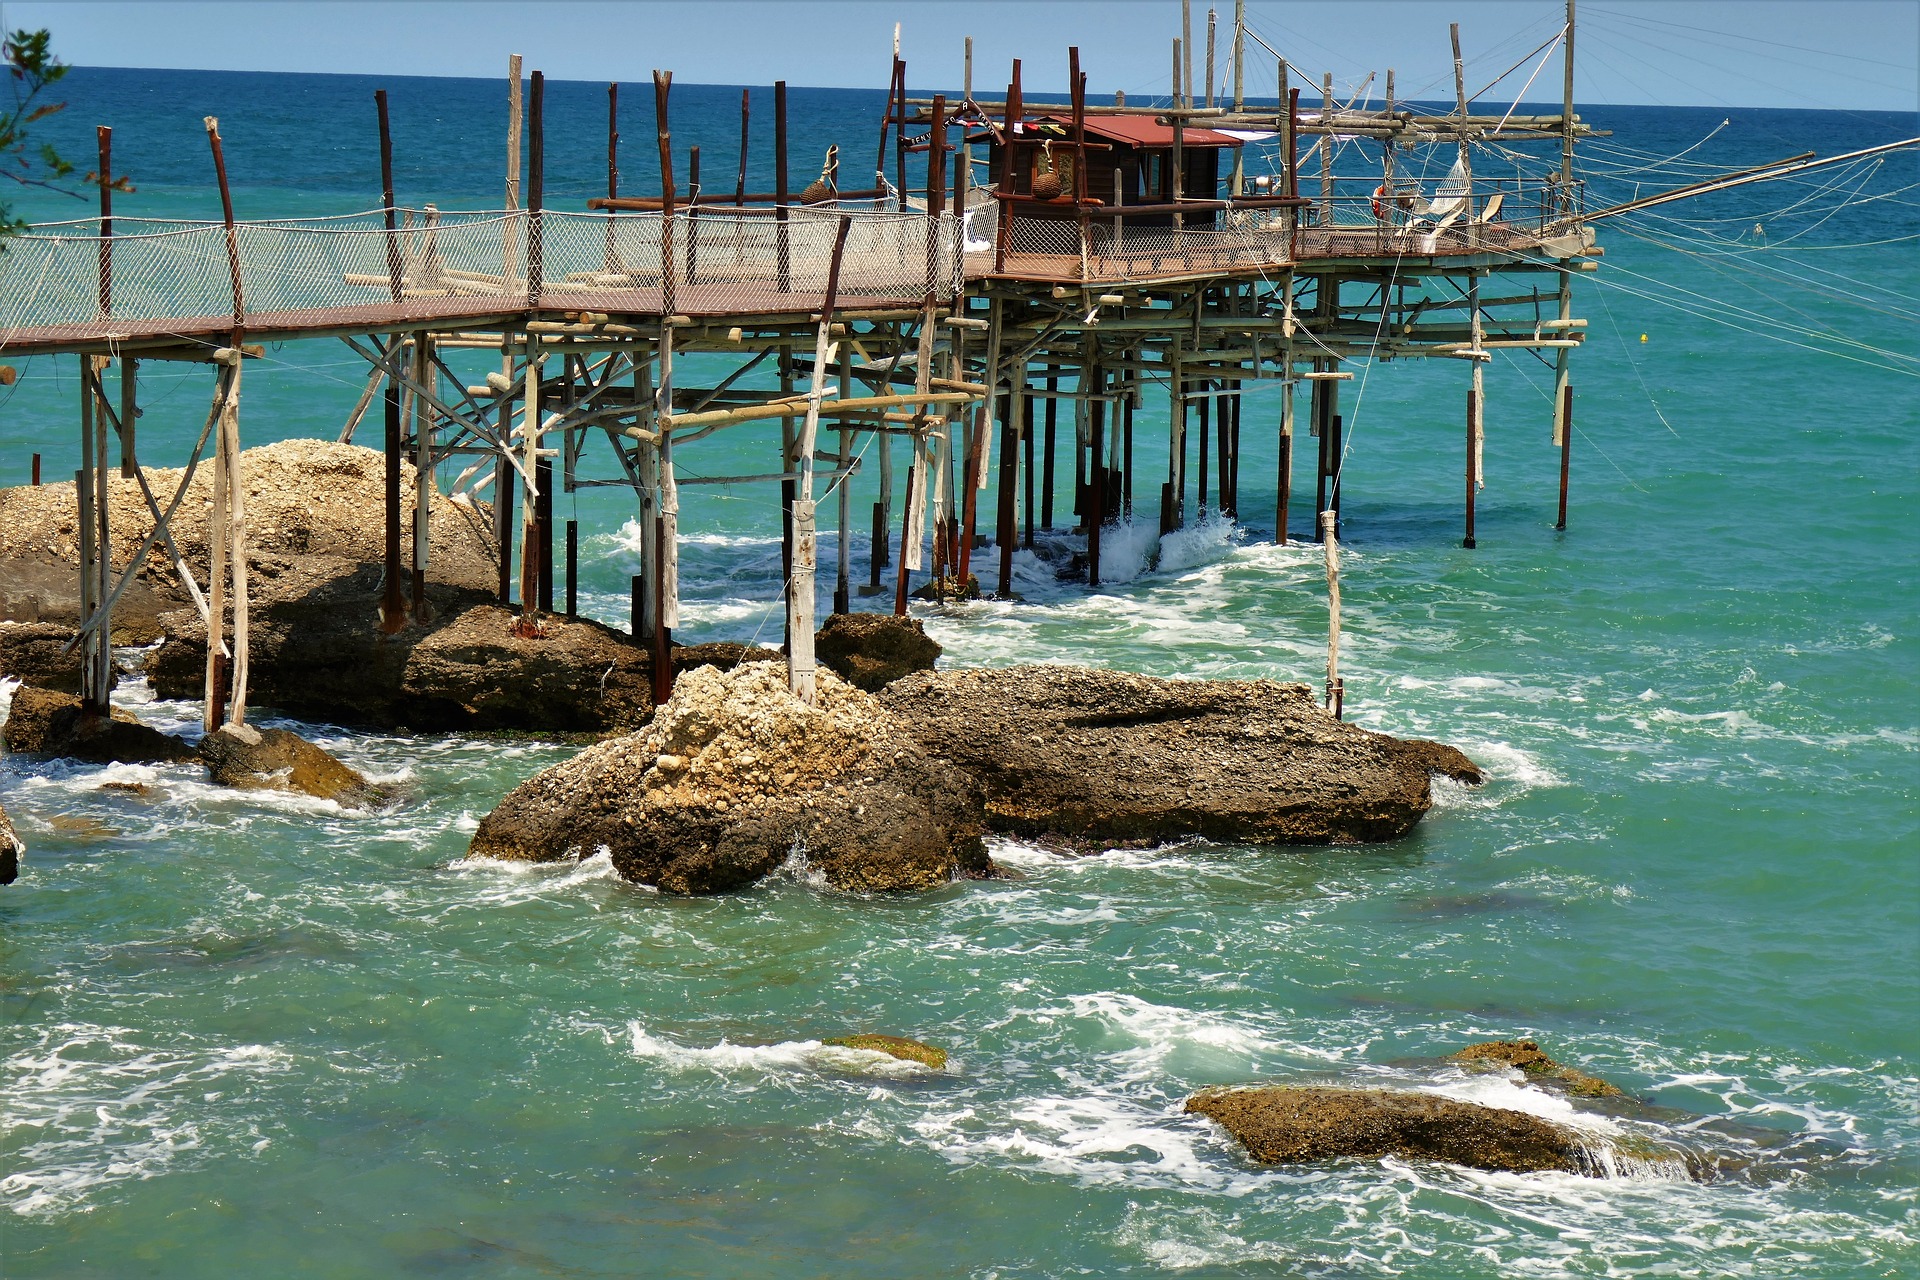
(1566, 451)
(1472, 410)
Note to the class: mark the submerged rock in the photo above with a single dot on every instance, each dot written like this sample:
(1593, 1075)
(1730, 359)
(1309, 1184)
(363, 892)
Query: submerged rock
(1528, 1057)
(12, 849)
(872, 650)
(1289, 1125)
(251, 759)
(897, 1046)
(735, 777)
(36, 653)
(1106, 756)
(43, 722)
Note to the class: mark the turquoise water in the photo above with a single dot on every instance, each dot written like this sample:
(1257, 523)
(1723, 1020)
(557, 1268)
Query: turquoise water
(273, 1037)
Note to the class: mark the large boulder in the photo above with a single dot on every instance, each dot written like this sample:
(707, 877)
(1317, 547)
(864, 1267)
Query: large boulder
(872, 650)
(36, 653)
(1105, 756)
(43, 722)
(12, 849)
(1291, 1125)
(322, 657)
(251, 759)
(312, 505)
(734, 777)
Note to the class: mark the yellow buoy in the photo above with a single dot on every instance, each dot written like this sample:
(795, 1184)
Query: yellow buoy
(1643, 337)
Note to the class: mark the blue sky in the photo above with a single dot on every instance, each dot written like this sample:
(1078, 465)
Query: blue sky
(1852, 54)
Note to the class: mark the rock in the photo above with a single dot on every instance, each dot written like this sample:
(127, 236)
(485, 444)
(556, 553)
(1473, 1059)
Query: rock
(251, 759)
(311, 504)
(1287, 1125)
(12, 849)
(1104, 756)
(948, 588)
(735, 776)
(1537, 1066)
(43, 722)
(1442, 760)
(872, 650)
(899, 1047)
(322, 657)
(31, 652)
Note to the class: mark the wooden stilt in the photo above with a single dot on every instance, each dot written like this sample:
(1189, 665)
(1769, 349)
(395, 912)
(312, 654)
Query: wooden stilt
(573, 568)
(1205, 407)
(1472, 475)
(843, 487)
(1336, 688)
(129, 415)
(1047, 463)
(393, 599)
(1006, 530)
(800, 588)
(1126, 452)
(543, 540)
(424, 374)
(1320, 417)
(530, 557)
(1026, 460)
(1096, 514)
(1566, 451)
(906, 532)
(504, 481)
(1285, 478)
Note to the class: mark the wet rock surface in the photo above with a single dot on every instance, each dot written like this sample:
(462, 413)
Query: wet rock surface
(1537, 1066)
(35, 653)
(735, 778)
(1106, 756)
(872, 650)
(43, 722)
(1291, 1125)
(896, 1046)
(12, 849)
(251, 759)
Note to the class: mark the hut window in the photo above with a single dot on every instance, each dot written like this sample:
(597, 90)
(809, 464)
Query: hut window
(1153, 176)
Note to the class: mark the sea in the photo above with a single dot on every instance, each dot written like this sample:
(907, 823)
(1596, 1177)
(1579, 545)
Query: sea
(246, 1035)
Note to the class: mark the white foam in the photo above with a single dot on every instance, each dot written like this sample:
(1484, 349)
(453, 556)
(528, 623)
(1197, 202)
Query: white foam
(90, 1106)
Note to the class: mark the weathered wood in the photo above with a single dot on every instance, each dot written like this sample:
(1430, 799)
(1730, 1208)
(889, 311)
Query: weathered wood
(1330, 536)
(800, 584)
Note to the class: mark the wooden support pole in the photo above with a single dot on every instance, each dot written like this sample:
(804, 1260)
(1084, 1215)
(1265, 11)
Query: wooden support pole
(543, 517)
(1126, 453)
(1096, 513)
(573, 568)
(906, 532)
(1336, 688)
(236, 520)
(1566, 451)
(424, 374)
(781, 194)
(104, 136)
(1473, 478)
(510, 266)
(1026, 461)
(530, 557)
(393, 599)
(1047, 462)
(1239, 186)
(740, 180)
(129, 416)
(1285, 478)
(505, 479)
(800, 587)
(1205, 406)
(536, 188)
(1006, 532)
(388, 212)
(843, 491)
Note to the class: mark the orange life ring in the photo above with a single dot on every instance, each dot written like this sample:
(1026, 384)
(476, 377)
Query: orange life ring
(1379, 209)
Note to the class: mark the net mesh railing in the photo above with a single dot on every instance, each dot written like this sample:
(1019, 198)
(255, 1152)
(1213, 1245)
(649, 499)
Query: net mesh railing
(1116, 250)
(66, 280)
